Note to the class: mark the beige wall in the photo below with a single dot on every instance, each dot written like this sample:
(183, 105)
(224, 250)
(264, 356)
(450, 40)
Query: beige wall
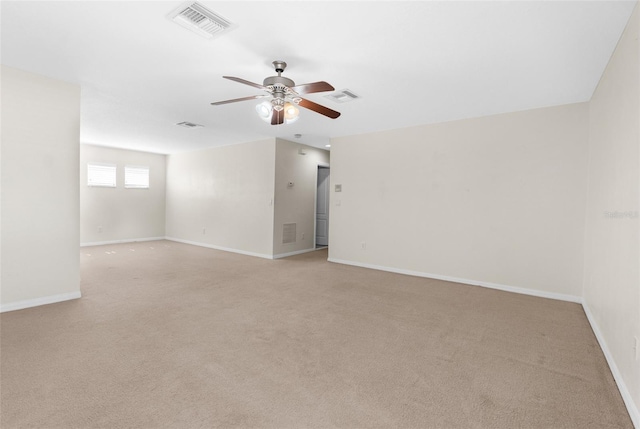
(296, 204)
(237, 197)
(612, 279)
(119, 214)
(40, 209)
(223, 197)
(497, 200)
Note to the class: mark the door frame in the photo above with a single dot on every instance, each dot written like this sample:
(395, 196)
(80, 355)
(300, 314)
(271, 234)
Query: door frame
(315, 199)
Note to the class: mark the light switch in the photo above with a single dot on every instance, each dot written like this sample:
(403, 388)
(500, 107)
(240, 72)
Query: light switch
(338, 188)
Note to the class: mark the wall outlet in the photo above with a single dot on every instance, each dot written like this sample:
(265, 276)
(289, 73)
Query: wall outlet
(636, 347)
(302, 238)
(204, 231)
(99, 229)
(363, 245)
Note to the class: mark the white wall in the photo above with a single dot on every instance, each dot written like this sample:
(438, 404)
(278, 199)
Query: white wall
(119, 214)
(228, 192)
(40, 202)
(296, 204)
(497, 200)
(612, 279)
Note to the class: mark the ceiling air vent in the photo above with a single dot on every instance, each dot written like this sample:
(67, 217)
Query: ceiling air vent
(200, 20)
(343, 96)
(189, 124)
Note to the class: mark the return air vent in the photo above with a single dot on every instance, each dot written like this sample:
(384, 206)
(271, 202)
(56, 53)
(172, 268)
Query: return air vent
(288, 233)
(200, 20)
(343, 96)
(189, 124)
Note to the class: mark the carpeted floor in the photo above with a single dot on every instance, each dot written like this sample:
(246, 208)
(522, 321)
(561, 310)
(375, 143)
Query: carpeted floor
(172, 335)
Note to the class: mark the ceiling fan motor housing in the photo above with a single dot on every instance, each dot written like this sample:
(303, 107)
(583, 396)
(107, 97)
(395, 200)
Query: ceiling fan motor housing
(278, 80)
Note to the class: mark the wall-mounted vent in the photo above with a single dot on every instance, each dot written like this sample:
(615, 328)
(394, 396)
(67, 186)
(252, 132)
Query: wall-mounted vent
(189, 125)
(288, 233)
(343, 96)
(199, 19)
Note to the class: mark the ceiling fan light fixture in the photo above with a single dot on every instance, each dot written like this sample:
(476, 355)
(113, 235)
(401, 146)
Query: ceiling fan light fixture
(290, 111)
(278, 102)
(264, 110)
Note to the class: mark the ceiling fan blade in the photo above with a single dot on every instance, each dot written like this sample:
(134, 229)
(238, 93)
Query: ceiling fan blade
(308, 104)
(277, 117)
(252, 97)
(308, 88)
(246, 82)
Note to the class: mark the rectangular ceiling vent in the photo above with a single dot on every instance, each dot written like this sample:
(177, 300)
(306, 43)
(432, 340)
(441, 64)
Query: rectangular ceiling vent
(189, 124)
(199, 19)
(343, 96)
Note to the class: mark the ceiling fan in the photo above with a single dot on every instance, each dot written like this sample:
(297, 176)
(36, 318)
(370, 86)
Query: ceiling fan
(285, 97)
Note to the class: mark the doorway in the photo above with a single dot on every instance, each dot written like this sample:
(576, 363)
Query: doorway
(322, 207)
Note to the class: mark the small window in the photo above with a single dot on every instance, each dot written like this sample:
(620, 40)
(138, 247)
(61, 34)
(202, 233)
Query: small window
(101, 175)
(136, 177)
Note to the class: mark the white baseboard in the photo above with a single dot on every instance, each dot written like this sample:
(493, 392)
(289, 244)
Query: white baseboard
(297, 252)
(515, 289)
(226, 249)
(28, 303)
(624, 391)
(131, 240)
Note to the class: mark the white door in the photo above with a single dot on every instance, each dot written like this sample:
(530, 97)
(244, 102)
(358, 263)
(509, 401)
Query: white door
(322, 207)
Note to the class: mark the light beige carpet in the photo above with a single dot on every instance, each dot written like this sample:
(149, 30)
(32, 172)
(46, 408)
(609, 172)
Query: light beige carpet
(172, 335)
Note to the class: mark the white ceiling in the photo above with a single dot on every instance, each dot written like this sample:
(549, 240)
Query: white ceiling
(412, 62)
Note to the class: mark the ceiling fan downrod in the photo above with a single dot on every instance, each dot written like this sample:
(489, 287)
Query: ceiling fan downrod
(279, 80)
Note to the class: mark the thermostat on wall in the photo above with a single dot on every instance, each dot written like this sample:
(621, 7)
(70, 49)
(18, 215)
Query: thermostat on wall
(338, 188)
